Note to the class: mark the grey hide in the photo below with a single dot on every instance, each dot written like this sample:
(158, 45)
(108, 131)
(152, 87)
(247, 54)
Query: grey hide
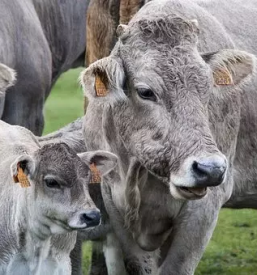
(40, 39)
(7, 79)
(186, 143)
(39, 221)
(70, 134)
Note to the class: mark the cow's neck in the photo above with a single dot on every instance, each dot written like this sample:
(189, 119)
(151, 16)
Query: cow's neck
(158, 209)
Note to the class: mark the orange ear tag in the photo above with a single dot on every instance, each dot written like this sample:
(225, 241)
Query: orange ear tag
(21, 177)
(96, 177)
(100, 87)
(222, 78)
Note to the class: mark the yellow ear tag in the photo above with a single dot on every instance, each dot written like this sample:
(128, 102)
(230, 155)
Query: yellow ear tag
(100, 87)
(222, 78)
(96, 177)
(21, 177)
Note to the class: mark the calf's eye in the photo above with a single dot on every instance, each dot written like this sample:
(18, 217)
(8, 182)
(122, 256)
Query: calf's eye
(51, 183)
(147, 94)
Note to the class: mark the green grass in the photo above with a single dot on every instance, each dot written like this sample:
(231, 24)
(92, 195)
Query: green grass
(233, 248)
(65, 102)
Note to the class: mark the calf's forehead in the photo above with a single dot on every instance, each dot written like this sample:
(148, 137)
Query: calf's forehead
(62, 161)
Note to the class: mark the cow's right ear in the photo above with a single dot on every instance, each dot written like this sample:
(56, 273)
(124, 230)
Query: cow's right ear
(103, 79)
(7, 77)
(22, 169)
(230, 66)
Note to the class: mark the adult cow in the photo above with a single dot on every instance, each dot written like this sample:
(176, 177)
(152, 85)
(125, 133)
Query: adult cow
(183, 124)
(40, 40)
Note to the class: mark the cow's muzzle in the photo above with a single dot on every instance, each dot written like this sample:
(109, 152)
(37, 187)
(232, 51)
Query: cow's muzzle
(197, 174)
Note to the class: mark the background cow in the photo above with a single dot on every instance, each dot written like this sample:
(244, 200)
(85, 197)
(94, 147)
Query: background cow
(40, 40)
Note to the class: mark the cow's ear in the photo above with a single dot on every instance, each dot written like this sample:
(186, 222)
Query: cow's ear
(22, 169)
(7, 77)
(103, 79)
(103, 161)
(230, 67)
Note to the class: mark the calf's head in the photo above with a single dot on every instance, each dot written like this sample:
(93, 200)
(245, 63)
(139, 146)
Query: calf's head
(57, 179)
(159, 86)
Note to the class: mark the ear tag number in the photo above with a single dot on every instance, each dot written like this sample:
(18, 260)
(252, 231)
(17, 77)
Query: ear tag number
(21, 177)
(222, 78)
(100, 87)
(96, 177)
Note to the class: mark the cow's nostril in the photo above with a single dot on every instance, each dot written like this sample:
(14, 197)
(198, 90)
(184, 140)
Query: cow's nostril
(209, 172)
(197, 169)
(91, 218)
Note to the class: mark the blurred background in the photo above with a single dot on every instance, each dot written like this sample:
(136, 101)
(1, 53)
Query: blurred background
(233, 248)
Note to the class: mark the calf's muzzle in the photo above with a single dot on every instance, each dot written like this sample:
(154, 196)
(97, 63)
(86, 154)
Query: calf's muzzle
(90, 218)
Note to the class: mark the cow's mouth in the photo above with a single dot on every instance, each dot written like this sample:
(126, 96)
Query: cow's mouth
(197, 192)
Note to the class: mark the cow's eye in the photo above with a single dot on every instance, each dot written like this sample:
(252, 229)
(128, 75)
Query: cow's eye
(51, 183)
(147, 94)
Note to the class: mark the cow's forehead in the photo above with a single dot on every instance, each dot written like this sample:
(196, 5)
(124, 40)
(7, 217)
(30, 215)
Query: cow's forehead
(160, 68)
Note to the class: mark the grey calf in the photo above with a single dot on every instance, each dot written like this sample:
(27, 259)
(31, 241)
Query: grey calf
(39, 221)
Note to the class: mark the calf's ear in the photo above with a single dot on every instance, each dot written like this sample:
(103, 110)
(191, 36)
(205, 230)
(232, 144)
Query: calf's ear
(7, 77)
(103, 79)
(230, 67)
(104, 161)
(21, 169)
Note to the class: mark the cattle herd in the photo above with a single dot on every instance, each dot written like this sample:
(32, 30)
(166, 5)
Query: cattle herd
(168, 137)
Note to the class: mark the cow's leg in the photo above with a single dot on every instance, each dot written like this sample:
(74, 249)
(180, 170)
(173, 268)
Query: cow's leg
(76, 258)
(113, 255)
(137, 261)
(24, 101)
(2, 100)
(191, 233)
(98, 266)
(24, 106)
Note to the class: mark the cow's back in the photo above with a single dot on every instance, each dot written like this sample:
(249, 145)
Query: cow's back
(239, 19)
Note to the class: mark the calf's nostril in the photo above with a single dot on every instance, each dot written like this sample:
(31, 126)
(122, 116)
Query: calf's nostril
(91, 218)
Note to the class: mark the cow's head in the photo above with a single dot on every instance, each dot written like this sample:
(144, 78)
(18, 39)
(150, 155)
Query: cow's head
(57, 187)
(159, 87)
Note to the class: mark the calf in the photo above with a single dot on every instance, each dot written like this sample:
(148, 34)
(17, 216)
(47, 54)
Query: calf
(44, 200)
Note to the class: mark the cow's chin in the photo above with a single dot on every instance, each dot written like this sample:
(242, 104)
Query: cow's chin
(188, 193)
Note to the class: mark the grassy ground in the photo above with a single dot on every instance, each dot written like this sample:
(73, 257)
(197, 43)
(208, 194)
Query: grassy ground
(233, 248)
